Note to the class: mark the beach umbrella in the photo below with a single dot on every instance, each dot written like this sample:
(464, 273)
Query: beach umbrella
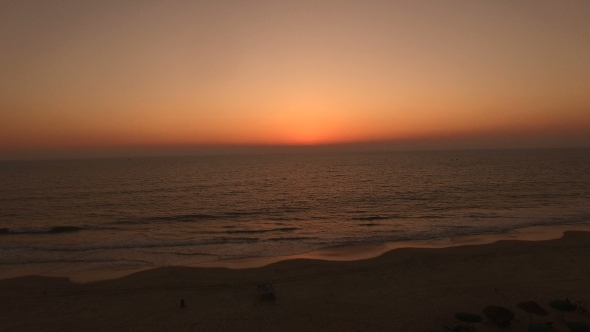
(540, 328)
(578, 326)
(531, 308)
(468, 318)
(562, 306)
(498, 315)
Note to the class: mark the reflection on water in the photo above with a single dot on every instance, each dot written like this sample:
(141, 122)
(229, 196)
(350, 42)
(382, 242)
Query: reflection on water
(172, 211)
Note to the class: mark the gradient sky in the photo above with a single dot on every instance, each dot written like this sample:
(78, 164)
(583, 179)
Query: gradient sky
(124, 74)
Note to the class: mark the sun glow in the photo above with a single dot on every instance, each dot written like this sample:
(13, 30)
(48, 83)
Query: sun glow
(291, 73)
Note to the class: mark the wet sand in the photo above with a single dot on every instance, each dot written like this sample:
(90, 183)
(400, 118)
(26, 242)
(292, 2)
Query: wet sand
(407, 289)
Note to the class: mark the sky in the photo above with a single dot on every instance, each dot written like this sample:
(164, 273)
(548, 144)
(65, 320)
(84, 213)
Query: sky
(128, 77)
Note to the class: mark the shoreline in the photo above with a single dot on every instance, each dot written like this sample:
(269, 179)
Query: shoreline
(337, 254)
(408, 289)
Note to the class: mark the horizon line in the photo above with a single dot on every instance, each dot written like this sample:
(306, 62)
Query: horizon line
(166, 151)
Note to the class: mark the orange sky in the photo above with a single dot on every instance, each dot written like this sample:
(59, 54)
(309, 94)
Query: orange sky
(123, 74)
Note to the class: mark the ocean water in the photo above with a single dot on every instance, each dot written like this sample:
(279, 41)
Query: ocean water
(86, 214)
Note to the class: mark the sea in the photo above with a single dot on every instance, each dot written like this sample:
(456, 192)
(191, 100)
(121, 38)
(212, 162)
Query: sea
(168, 211)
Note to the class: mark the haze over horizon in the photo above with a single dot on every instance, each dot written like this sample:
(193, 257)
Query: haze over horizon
(118, 78)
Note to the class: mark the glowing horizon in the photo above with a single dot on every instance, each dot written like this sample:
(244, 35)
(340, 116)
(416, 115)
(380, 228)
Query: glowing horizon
(97, 75)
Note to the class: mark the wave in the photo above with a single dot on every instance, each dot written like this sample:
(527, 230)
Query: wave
(136, 244)
(431, 216)
(489, 216)
(281, 215)
(41, 230)
(371, 218)
(284, 229)
(126, 262)
(182, 217)
(152, 244)
(191, 217)
(289, 218)
(242, 213)
(299, 238)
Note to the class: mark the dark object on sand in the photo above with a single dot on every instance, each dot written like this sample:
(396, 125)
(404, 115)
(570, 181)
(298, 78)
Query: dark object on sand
(540, 328)
(468, 318)
(562, 306)
(580, 308)
(266, 292)
(182, 303)
(499, 315)
(532, 308)
(578, 326)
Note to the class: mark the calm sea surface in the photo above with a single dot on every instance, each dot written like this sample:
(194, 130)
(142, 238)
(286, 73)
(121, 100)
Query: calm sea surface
(173, 211)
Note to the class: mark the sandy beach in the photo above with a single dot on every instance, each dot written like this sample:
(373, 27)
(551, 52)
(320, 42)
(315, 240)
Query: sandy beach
(407, 289)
